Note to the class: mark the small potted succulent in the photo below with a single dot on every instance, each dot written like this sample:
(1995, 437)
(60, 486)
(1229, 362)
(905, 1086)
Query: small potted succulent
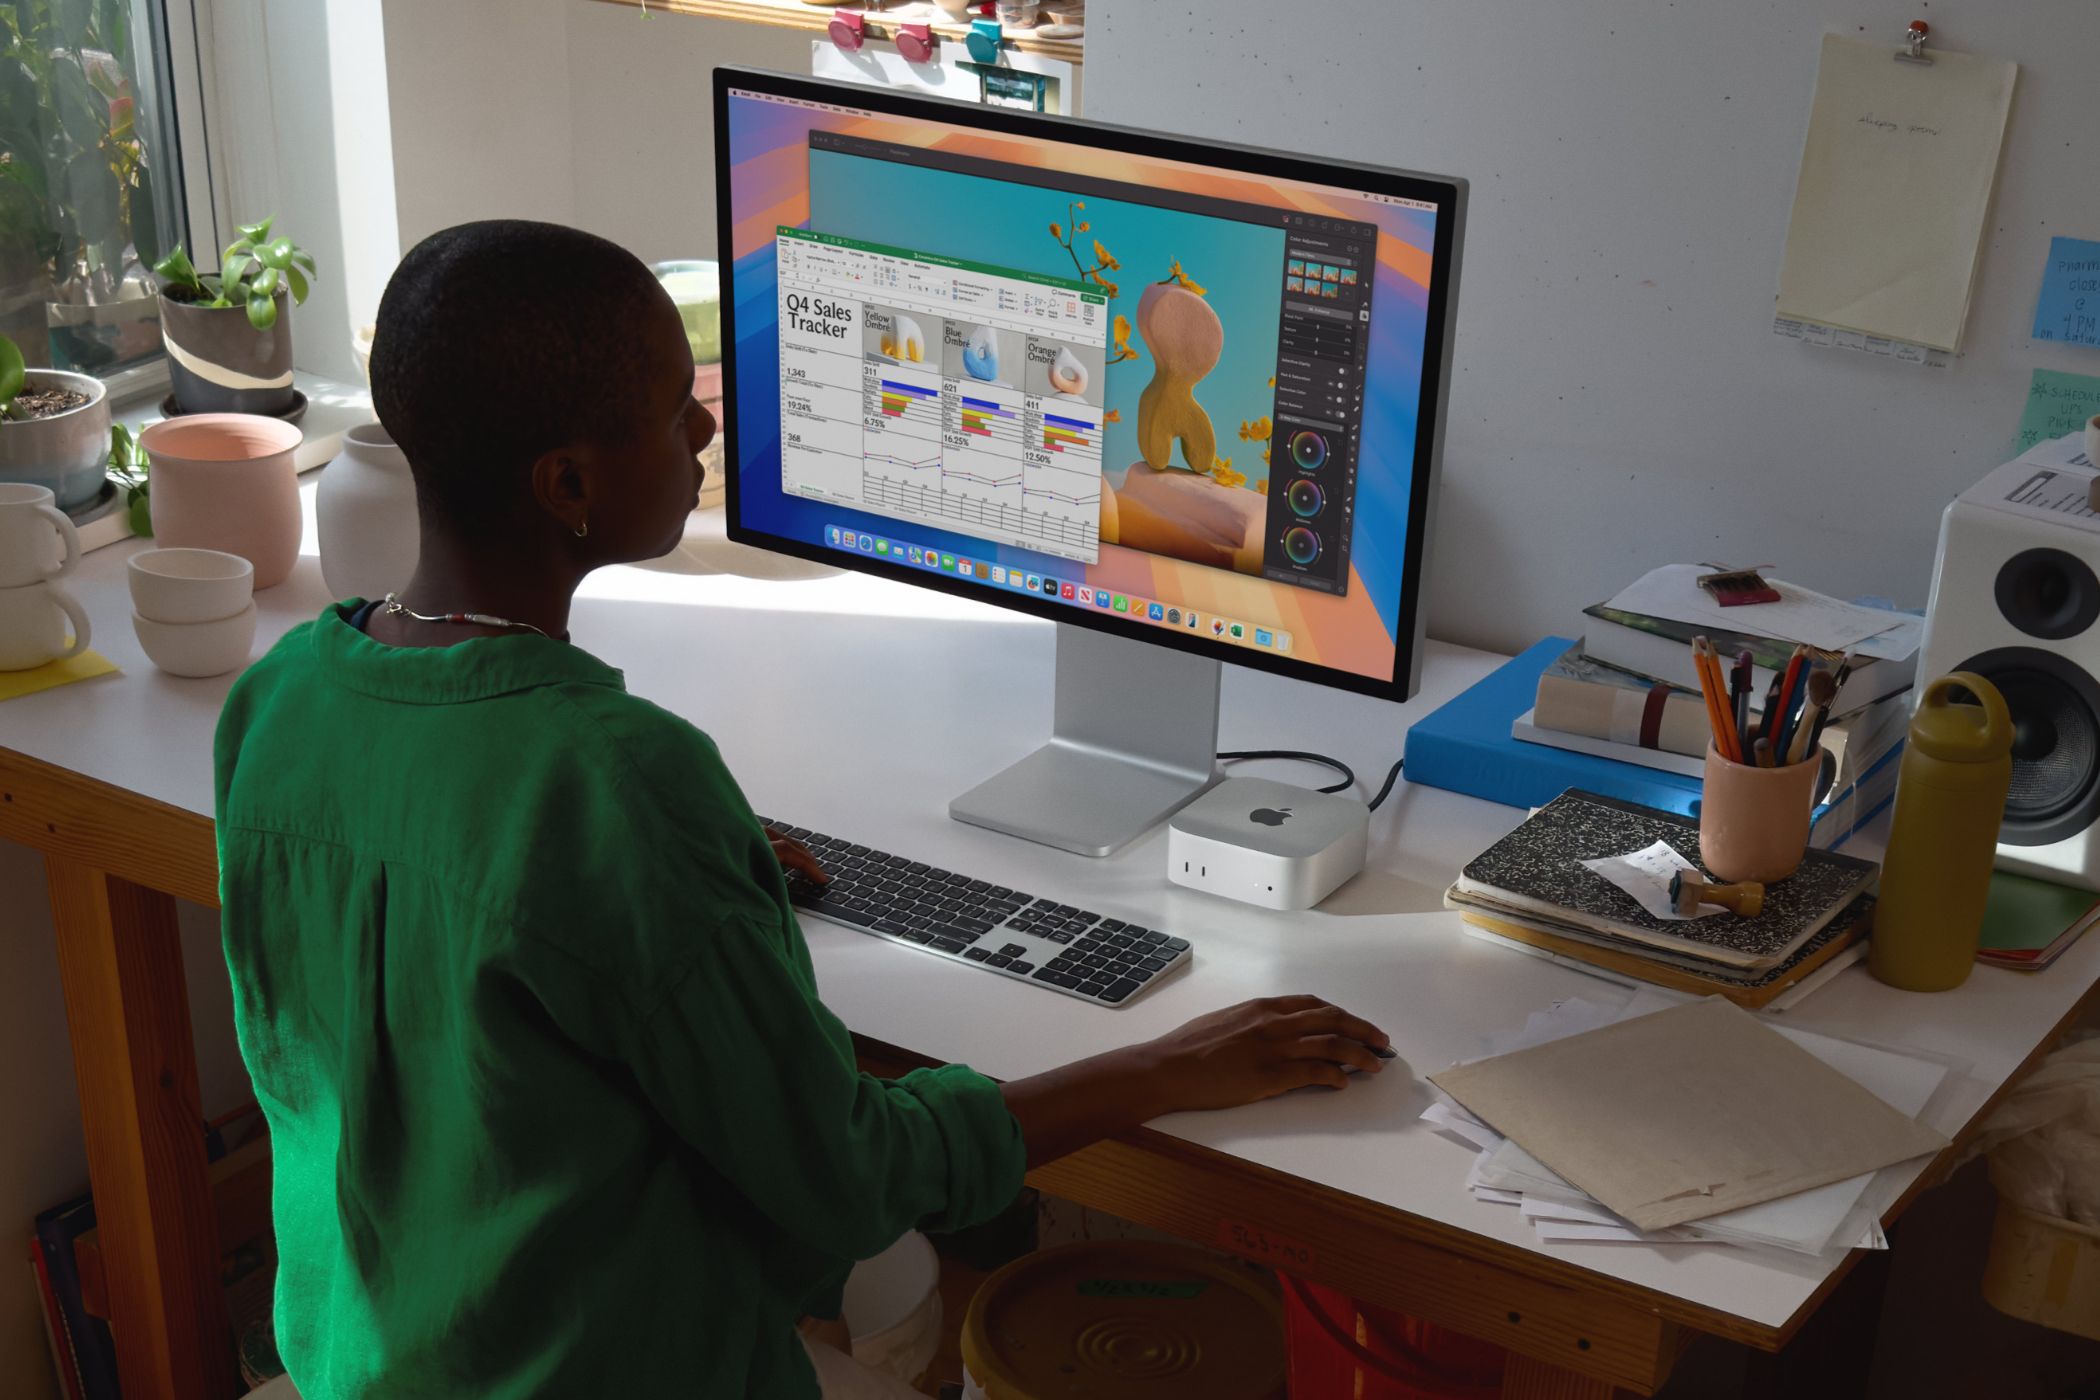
(229, 336)
(54, 429)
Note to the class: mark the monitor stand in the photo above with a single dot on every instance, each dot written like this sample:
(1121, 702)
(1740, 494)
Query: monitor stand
(1134, 738)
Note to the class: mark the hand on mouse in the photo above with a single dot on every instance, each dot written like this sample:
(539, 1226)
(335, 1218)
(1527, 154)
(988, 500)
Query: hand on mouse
(1259, 1049)
(1256, 1050)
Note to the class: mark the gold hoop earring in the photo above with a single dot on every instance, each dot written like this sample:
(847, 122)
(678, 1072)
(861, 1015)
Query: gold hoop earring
(583, 529)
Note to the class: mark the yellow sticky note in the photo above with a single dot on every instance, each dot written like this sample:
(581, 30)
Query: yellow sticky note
(85, 666)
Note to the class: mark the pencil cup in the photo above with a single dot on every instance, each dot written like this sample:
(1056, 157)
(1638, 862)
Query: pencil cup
(1753, 822)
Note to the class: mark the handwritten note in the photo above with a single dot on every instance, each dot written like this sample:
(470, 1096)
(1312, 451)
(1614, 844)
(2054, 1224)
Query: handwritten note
(1895, 183)
(2057, 403)
(2068, 311)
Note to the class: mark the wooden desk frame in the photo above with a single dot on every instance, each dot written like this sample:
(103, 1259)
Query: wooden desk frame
(116, 863)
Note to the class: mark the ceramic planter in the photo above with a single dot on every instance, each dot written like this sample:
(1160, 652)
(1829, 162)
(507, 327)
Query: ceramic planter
(226, 481)
(365, 515)
(67, 453)
(219, 363)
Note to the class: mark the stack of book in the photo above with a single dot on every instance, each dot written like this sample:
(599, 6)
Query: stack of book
(1619, 711)
(1533, 887)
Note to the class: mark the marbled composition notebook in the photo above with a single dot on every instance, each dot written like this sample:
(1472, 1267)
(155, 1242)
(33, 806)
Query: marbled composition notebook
(1536, 872)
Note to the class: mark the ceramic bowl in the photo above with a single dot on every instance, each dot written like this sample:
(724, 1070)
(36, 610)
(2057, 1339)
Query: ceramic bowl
(198, 648)
(190, 585)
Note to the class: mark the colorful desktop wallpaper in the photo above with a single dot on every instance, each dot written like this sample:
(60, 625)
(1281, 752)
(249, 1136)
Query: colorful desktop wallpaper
(776, 180)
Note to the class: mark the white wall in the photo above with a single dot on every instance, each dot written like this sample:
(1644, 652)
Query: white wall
(1619, 398)
(43, 1159)
(479, 103)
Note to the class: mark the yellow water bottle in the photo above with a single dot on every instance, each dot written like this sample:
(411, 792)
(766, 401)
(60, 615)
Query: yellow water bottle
(1950, 798)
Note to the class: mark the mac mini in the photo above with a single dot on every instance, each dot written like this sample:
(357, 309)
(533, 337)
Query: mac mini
(1268, 843)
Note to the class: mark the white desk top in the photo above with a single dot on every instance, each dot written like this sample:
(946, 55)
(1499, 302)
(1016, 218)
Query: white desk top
(860, 707)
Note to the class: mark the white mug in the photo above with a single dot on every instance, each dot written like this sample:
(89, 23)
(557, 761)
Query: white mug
(28, 514)
(33, 626)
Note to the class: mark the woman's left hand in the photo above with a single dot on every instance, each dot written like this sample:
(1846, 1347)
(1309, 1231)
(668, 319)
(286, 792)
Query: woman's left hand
(793, 855)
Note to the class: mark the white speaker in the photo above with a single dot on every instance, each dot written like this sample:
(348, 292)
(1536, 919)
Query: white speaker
(2016, 599)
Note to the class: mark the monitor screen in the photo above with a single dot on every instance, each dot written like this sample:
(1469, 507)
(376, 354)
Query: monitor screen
(1182, 392)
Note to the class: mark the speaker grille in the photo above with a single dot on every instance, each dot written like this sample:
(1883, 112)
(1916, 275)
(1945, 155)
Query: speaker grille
(2047, 593)
(2055, 708)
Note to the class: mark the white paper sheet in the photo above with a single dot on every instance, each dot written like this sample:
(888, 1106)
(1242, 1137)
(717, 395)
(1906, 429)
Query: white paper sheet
(1810, 1222)
(1646, 875)
(1894, 188)
(1800, 615)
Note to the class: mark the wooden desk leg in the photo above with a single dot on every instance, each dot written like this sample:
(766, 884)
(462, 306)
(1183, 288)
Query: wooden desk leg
(127, 1010)
(1526, 1379)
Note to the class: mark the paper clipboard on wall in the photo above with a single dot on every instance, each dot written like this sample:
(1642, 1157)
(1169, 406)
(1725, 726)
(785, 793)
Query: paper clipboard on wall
(1894, 190)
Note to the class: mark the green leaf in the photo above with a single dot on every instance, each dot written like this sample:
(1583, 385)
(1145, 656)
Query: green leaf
(176, 270)
(256, 233)
(12, 372)
(71, 19)
(298, 281)
(305, 260)
(145, 219)
(83, 113)
(140, 513)
(277, 254)
(113, 28)
(234, 264)
(262, 312)
(264, 284)
(93, 196)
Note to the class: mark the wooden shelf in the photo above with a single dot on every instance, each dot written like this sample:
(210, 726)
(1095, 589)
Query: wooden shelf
(812, 19)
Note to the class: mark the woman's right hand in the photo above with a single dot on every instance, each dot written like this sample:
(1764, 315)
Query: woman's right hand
(1259, 1049)
(1255, 1050)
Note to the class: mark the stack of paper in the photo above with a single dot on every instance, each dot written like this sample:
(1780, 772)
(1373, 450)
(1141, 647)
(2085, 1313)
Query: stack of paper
(1833, 1216)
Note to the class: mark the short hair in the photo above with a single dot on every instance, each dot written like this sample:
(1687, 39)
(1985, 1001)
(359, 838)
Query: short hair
(499, 341)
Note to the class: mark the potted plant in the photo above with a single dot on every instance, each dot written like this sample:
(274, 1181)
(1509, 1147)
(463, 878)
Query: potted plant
(229, 336)
(54, 429)
(76, 189)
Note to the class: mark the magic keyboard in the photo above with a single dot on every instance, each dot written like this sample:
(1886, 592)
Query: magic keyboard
(1007, 931)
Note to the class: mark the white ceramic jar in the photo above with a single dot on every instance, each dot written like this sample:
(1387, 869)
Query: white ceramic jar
(365, 516)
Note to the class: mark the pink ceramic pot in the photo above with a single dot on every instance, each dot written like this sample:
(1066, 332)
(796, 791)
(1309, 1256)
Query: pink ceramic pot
(225, 481)
(1753, 822)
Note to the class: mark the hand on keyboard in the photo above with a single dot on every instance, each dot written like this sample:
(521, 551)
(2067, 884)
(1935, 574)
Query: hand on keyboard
(794, 856)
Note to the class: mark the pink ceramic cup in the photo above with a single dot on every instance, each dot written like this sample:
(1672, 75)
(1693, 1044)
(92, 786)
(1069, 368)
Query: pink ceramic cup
(1753, 822)
(226, 481)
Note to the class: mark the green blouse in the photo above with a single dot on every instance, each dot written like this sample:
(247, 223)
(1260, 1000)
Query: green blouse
(554, 1107)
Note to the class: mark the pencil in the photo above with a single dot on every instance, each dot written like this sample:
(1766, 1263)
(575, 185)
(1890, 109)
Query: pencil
(1711, 687)
(1783, 728)
(1739, 688)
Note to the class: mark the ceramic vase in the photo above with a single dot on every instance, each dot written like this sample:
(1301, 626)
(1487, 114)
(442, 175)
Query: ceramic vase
(226, 481)
(67, 453)
(218, 363)
(365, 514)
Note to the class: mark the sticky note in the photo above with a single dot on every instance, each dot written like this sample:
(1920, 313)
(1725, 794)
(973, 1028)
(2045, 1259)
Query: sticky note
(2068, 310)
(2057, 403)
(85, 666)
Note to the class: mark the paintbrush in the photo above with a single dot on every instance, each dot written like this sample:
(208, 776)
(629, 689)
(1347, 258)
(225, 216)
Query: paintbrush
(1822, 689)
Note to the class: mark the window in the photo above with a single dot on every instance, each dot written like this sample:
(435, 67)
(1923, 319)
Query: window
(91, 187)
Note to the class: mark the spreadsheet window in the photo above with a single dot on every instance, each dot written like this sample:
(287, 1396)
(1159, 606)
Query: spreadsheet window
(942, 392)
